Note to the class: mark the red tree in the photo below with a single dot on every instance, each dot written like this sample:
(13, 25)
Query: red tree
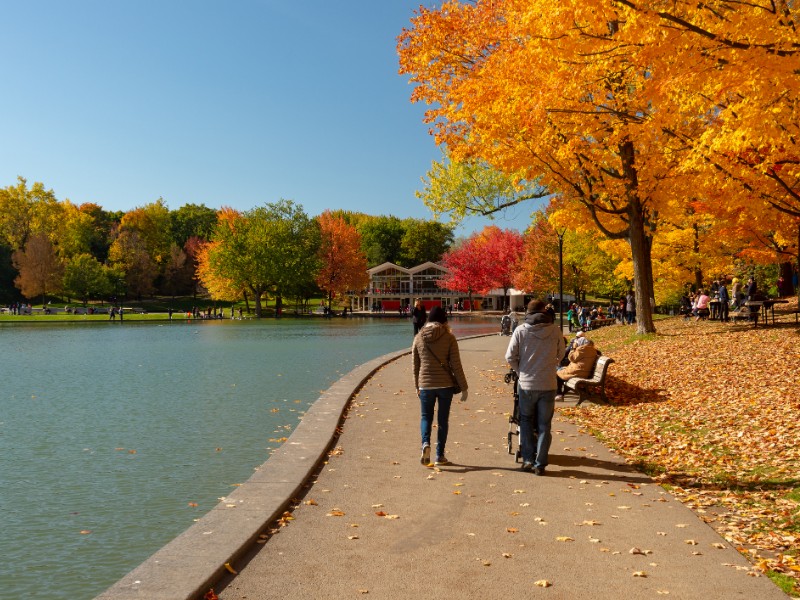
(467, 266)
(503, 250)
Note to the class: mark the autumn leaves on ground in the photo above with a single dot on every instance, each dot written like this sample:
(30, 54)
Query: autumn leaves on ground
(711, 410)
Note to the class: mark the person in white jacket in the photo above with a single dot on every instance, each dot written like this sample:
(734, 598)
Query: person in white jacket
(534, 352)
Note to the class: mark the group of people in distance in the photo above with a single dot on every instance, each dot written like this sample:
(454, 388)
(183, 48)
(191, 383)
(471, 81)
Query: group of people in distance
(538, 354)
(698, 304)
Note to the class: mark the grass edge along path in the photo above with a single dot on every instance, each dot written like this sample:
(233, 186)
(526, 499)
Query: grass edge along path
(710, 410)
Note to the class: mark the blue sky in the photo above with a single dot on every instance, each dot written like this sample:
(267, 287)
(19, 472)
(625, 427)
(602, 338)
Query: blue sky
(216, 103)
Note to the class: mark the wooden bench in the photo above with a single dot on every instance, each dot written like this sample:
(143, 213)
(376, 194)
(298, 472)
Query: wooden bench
(601, 322)
(781, 313)
(593, 387)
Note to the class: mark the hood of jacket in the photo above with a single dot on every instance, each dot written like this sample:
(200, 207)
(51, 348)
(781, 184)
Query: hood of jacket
(538, 324)
(432, 331)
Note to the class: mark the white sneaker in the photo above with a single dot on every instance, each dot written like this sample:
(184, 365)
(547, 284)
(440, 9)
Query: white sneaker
(559, 397)
(425, 459)
(442, 461)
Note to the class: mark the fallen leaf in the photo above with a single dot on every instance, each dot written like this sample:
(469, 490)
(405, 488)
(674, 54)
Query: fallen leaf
(542, 583)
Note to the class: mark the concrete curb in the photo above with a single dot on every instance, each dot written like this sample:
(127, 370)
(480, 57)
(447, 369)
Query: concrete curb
(191, 563)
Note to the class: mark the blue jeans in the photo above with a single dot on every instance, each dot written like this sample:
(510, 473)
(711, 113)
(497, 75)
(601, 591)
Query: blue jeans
(540, 404)
(428, 400)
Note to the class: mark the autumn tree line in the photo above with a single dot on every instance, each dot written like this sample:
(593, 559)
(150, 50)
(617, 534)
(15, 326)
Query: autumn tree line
(666, 131)
(83, 252)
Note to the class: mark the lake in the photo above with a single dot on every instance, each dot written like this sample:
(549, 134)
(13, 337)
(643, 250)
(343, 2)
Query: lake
(115, 437)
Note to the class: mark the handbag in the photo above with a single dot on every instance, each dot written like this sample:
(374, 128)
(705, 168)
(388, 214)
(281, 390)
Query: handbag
(447, 368)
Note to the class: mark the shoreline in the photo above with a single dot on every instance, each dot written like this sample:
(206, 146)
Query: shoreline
(16, 320)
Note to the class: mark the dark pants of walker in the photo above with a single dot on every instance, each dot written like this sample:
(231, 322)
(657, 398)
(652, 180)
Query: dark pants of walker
(723, 311)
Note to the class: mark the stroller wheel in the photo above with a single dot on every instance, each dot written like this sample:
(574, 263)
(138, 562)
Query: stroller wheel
(518, 456)
(510, 450)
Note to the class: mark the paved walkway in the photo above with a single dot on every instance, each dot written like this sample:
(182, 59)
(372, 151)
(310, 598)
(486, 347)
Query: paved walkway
(481, 528)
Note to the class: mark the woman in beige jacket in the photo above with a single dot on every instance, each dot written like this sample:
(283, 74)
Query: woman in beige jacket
(437, 370)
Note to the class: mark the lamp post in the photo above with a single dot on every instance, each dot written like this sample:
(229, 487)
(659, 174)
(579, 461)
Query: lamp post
(561, 277)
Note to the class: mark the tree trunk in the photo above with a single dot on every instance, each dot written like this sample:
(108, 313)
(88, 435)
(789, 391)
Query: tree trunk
(698, 278)
(698, 271)
(640, 244)
(278, 305)
(257, 301)
(246, 301)
(642, 281)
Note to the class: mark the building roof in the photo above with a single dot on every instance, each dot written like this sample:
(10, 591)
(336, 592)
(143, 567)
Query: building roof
(385, 267)
(428, 265)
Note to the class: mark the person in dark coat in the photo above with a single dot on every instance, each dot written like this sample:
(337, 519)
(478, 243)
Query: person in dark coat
(724, 301)
(418, 316)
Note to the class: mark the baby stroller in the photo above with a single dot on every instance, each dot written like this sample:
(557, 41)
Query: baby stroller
(505, 325)
(513, 419)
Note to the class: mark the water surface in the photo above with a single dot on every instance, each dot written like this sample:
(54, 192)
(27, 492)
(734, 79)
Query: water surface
(114, 438)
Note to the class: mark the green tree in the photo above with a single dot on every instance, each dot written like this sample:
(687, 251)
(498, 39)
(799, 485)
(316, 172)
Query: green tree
(85, 278)
(192, 220)
(473, 187)
(104, 224)
(266, 249)
(382, 239)
(424, 241)
(7, 275)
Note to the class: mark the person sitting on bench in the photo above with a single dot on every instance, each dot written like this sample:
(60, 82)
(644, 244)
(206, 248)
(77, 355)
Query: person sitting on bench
(581, 361)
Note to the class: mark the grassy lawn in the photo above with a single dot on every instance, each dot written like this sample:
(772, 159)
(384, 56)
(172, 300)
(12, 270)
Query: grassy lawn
(156, 308)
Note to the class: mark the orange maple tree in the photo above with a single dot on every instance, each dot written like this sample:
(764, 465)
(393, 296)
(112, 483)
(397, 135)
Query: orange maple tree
(343, 265)
(609, 106)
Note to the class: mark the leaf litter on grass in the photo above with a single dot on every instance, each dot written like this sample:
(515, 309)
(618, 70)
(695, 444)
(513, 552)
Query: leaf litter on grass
(711, 411)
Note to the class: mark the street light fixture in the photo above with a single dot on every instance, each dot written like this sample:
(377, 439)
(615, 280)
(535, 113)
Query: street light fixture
(560, 235)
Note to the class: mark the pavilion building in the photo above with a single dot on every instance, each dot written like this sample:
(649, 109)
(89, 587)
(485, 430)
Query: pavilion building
(393, 288)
